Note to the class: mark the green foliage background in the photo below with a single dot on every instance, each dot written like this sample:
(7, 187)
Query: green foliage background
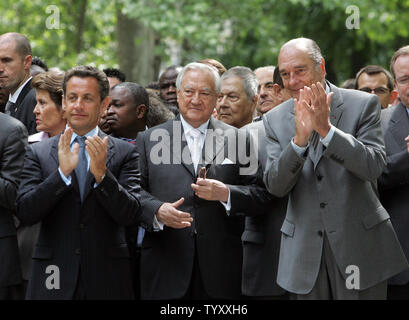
(236, 32)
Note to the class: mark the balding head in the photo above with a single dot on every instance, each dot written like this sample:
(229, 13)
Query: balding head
(301, 64)
(19, 43)
(15, 60)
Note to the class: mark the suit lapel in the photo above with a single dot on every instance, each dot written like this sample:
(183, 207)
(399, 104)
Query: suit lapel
(54, 150)
(23, 93)
(399, 126)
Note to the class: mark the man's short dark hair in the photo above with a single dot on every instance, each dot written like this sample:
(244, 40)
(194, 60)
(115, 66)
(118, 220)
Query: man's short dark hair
(404, 51)
(85, 72)
(115, 73)
(153, 85)
(37, 61)
(277, 77)
(372, 70)
(178, 68)
(138, 93)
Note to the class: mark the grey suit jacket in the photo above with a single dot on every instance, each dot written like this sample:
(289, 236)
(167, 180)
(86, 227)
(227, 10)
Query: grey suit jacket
(261, 237)
(394, 181)
(332, 191)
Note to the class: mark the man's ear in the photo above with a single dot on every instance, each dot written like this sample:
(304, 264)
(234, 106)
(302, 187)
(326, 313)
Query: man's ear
(64, 107)
(254, 101)
(277, 92)
(104, 104)
(27, 62)
(394, 94)
(322, 67)
(141, 111)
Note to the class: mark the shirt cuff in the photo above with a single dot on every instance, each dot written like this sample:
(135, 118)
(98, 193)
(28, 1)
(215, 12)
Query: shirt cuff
(157, 226)
(64, 178)
(299, 150)
(325, 141)
(227, 205)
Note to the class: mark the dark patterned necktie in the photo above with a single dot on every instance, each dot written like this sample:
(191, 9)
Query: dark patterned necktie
(315, 138)
(82, 166)
(10, 106)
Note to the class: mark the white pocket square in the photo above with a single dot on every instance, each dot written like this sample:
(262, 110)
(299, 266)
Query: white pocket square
(227, 161)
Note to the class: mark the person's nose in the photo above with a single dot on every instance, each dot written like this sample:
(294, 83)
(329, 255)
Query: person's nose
(36, 110)
(293, 79)
(171, 88)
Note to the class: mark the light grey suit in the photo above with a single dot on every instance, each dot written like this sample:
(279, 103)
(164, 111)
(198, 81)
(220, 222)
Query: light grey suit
(331, 193)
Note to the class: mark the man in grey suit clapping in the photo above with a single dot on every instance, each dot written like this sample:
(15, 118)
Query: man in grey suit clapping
(325, 151)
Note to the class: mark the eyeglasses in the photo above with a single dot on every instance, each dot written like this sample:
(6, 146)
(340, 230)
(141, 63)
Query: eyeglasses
(202, 173)
(379, 90)
(403, 80)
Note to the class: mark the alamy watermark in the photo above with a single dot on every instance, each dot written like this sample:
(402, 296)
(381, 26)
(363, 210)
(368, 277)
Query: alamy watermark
(52, 282)
(352, 281)
(53, 20)
(352, 22)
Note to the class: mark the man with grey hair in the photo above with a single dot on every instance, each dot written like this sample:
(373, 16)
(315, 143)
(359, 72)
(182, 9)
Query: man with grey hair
(238, 97)
(15, 62)
(195, 193)
(325, 150)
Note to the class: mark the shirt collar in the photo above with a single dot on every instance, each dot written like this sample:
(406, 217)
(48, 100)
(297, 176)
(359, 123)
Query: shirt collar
(187, 127)
(327, 89)
(91, 133)
(13, 98)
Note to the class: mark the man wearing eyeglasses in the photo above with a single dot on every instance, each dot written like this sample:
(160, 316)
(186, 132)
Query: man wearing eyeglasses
(394, 182)
(375, 79)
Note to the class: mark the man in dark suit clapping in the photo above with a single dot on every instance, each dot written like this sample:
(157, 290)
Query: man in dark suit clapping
(73, 184)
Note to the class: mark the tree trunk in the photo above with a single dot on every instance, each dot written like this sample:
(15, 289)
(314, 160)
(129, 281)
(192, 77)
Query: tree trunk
(81, 24)
(136, 44)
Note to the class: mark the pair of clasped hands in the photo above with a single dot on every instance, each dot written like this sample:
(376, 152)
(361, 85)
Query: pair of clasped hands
(96, 148)
(311, 112)
(207, 189)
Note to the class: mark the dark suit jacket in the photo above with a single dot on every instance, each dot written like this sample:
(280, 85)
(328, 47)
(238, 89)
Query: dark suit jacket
(88, 237)
(25, 105)
(168, 255)
(13, 140)
(394, 181)
(262, 236)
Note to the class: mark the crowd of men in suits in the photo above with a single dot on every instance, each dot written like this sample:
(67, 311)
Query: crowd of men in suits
(209, 184)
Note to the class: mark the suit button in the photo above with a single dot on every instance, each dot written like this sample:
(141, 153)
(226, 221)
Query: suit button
(77, 251)
(320, 233)
(82, 226)
(323, 205)
(319, 177)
